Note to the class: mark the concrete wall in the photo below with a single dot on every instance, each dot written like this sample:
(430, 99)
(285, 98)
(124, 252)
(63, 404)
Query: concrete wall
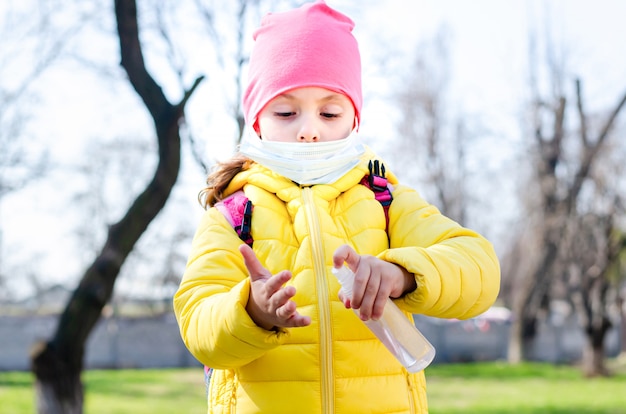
(150, 342)
(154, 342)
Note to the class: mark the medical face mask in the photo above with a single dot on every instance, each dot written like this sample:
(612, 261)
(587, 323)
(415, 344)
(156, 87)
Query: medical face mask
(305, 163)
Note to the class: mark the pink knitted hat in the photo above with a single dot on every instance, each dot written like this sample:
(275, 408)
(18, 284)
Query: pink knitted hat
(312, 45)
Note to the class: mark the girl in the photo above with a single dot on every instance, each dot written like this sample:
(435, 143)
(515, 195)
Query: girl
(268, 319)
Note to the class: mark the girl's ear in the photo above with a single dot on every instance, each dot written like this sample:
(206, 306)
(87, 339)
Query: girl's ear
(355, 125)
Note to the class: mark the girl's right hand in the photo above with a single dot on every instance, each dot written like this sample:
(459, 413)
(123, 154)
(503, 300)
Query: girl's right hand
(270, 305)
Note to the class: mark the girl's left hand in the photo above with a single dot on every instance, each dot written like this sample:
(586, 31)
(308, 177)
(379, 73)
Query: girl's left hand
(375, 281)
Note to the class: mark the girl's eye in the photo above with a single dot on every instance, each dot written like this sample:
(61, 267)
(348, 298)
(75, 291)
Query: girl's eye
(329, 115)
(284, 114)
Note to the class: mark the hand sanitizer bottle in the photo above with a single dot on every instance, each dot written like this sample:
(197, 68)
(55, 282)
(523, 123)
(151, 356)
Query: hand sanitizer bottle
(394, 330)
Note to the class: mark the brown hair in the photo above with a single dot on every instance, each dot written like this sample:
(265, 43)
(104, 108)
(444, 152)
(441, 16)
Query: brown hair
(220, 177)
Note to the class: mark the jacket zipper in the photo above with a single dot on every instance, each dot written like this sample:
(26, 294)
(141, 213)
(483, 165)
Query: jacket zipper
(319, 268)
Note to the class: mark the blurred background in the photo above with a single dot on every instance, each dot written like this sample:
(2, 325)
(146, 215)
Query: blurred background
(509, 116)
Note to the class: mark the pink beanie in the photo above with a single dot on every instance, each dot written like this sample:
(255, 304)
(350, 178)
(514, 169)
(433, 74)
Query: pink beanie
(312, 45)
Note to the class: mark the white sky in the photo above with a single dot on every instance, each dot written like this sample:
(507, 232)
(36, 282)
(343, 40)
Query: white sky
(488, 47)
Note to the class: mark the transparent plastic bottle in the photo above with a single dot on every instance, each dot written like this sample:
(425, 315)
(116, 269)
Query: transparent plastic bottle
(394, 330)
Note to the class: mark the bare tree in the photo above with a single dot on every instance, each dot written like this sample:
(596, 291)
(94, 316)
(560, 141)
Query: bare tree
(239, 57)
(620, 271)
(429, 134)
(57, 363)
(231, 53)
(594, 248)
(595, 240)
(558, 179)
(24, 37)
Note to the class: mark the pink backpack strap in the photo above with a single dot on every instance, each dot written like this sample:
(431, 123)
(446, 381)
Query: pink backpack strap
(237, 209)
(377, 182)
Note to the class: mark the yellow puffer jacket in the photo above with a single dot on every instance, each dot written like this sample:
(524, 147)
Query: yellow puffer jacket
(335, 365)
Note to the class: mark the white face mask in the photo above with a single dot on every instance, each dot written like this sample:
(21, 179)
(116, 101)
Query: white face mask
(305, 162)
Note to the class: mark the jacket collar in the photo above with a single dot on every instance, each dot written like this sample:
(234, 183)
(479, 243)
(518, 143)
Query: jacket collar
(287, 190)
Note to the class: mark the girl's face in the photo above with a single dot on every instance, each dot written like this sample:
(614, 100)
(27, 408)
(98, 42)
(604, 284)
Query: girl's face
(308, 114)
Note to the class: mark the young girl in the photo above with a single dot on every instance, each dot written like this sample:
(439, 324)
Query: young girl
(268, 319)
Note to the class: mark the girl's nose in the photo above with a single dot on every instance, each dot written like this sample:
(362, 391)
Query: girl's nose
(308, 131)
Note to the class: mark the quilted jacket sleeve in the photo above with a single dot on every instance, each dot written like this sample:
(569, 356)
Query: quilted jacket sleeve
(456, 269)
(211, 299)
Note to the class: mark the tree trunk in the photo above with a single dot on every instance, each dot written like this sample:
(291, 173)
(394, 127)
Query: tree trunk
(58, 388)
(622, 324)
(516, 347)
(529, 297)
(594, 361)
(58, 363)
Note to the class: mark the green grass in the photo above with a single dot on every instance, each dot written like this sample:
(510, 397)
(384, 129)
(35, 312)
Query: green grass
(485, 388)
(498, 388)
(118, 392)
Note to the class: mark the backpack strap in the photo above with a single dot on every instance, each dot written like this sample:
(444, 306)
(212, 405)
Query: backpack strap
(237, 209)
(377, 182)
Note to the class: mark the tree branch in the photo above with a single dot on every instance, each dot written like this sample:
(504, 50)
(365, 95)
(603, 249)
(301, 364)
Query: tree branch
(581, 114)
(132, 59)
(589, 154)
(189, 92)
(609, 123)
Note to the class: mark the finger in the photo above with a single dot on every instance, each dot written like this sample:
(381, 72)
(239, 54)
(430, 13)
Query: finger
(367, 301)
(379, 307)
(301, 320)
(362, 276)
(255, 268)
(278, 280)
(279, 295)
(346, 254)
(293, 318)
(298, 320)
(345, 299)
(287, 310)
